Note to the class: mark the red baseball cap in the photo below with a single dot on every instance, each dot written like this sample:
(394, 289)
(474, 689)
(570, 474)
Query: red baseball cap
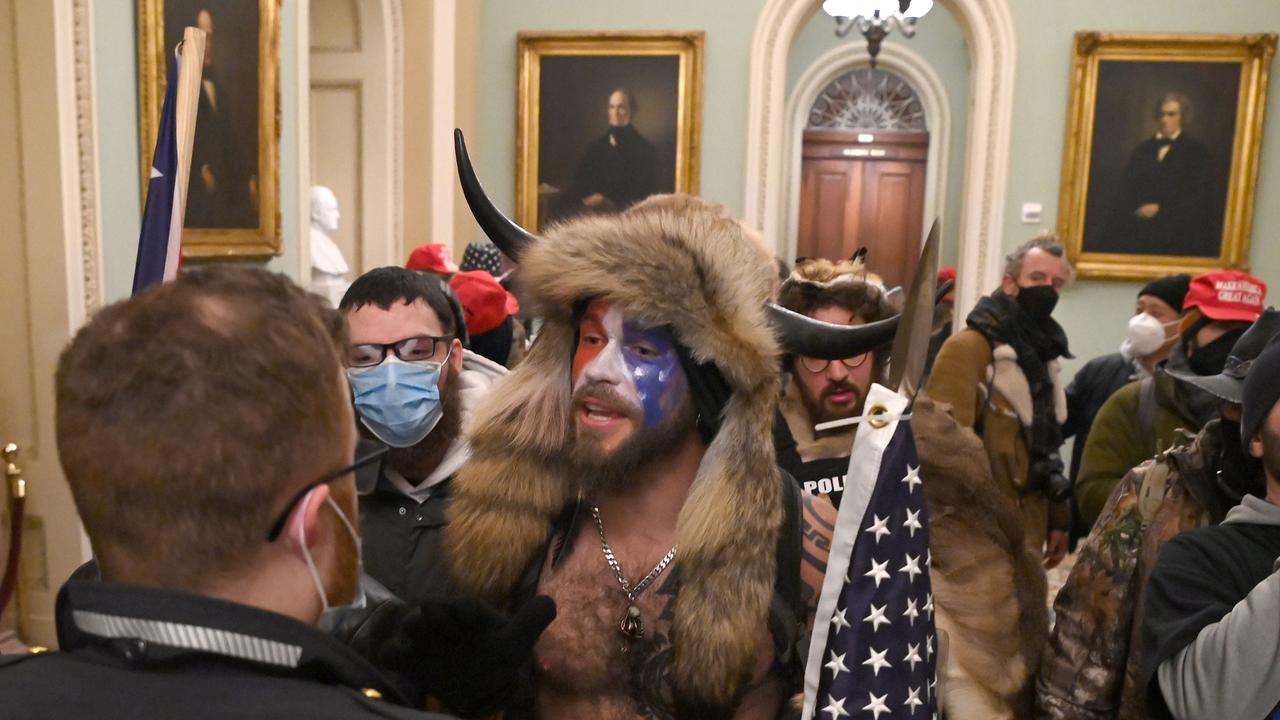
(945, 274)
(432, 257)
(1227, 295)
(485, 303)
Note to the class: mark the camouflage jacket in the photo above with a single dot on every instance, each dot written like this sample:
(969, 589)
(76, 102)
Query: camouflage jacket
(1092, 662)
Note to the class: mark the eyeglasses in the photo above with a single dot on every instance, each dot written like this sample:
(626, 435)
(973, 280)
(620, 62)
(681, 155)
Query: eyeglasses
(418, 347)
(278, 526)
(815, 365)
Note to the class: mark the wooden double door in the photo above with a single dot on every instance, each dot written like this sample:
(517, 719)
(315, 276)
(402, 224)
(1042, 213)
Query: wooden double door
(864, 189)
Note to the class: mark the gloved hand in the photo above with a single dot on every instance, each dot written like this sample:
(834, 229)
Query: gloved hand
(1047, 475)
(463, 653)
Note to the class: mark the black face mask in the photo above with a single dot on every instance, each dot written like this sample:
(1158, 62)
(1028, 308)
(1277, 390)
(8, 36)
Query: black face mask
(1210, 359)
(1038, 301)
(1238, 473)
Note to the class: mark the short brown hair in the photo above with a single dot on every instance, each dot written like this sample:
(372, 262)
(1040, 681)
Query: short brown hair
(1047, 242)
(187, 414)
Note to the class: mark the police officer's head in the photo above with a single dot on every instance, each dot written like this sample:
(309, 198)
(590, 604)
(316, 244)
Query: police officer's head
(197, 419)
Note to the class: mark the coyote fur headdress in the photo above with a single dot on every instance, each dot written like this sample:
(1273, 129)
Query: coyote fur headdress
(674, 261)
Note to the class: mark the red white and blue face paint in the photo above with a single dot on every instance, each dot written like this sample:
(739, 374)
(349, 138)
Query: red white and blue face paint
(640, 367)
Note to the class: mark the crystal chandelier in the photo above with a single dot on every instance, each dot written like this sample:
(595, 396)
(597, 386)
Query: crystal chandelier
(876, 18)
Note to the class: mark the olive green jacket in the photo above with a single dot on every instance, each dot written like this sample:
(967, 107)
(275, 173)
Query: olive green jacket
(1091, 668)
(1121, 439)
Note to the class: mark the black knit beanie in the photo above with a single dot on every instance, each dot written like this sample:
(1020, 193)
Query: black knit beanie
(1172, 289)
(1261, 391)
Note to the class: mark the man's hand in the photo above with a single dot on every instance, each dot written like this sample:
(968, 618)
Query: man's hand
(1147, 211)
(464, 654)
(1055, 548)
(207, 179)
(593, 200)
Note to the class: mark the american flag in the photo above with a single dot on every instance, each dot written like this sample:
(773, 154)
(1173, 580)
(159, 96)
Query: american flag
(160, 241)
(874, 648)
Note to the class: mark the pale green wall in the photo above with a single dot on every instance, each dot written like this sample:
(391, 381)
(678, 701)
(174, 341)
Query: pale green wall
(116, 68)
(728, 24)
(940, 41)
(1094, 313)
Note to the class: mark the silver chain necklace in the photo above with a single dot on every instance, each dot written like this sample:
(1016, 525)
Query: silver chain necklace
(630, 625)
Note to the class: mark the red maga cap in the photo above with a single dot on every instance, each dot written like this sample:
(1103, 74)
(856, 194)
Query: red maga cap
(485, 303)
(1227, 295)
(432, 257)
(945, 274)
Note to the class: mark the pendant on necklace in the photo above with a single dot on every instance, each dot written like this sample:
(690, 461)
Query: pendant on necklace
(630, 626)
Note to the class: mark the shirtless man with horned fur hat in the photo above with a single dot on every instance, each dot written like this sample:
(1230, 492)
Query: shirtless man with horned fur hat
(627, 470)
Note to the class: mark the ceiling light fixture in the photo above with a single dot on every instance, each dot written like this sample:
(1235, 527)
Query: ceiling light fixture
(876, 18)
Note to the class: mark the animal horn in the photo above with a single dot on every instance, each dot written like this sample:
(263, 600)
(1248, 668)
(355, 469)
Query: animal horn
(510, 238)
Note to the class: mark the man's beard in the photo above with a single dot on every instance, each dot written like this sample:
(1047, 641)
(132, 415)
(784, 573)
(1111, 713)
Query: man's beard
(418, 461)
(600, 471)
(819, 412)
(1270, 452)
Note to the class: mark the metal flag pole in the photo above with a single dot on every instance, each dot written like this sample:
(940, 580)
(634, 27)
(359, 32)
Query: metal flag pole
(17, 504)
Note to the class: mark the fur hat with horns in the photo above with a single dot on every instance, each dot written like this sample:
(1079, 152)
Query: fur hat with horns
(676, 261)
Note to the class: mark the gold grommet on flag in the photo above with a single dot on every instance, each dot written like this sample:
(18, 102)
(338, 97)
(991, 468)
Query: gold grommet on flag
(874, 421)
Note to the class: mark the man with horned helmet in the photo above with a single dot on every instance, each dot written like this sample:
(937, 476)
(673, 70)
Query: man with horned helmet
(626, 469)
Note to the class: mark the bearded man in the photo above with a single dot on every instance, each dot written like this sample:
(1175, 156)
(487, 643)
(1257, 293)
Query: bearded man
(414, 387)
(626, 469)
(820, 390)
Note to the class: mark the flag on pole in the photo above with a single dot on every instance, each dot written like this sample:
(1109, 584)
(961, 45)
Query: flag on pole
(160, 242)
(159, 247)
(874, 649)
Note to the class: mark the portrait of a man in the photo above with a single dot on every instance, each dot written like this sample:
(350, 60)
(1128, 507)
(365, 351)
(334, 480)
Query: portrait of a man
(616, 169)
(1163, 200)
(605, 121)
(223, 188)
(233, 185)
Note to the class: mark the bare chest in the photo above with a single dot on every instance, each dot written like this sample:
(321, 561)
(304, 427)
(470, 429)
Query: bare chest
(586, 666)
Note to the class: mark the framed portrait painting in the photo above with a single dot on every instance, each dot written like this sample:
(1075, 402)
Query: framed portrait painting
(1160, 160)
(605, 120)
(233, 194)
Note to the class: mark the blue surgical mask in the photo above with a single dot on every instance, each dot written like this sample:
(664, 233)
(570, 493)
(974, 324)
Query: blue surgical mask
(399, 401)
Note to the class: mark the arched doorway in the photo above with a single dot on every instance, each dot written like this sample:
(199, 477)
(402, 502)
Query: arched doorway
(862, 172)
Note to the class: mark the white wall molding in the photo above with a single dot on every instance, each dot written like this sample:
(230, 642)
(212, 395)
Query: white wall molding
(302, 100)
(444, 23)
(989, 35)
(895, 58)
(84, 217)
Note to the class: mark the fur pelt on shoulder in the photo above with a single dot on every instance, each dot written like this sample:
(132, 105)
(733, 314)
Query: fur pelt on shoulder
(674, 261)
(989, 589)
(1008, 380)
(817, 282)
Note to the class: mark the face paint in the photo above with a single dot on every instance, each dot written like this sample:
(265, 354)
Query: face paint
(641, 366)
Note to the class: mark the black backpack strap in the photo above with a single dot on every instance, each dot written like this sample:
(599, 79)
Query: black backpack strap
(787, 610)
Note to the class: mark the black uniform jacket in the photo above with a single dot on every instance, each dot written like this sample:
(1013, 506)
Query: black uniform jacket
(133, 652)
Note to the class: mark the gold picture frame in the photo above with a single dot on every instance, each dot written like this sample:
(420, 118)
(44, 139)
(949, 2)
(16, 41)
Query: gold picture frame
(566, 82)
(1207, 191)
(233, 200)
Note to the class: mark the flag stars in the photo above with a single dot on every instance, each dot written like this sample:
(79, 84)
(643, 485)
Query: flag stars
(912, 523)
(836, 665)
(912, 567)
(879, 527)
(928, 646)
(928, 605)
(879, 571)
(835, 707)
(876, 660)
(839, 620)
(913, 699)
(876, 617)
(911, 613)
(877, 706)
(912, 479)
(913, 655)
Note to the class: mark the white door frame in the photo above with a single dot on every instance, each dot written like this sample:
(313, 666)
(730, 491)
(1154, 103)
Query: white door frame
(989, 35)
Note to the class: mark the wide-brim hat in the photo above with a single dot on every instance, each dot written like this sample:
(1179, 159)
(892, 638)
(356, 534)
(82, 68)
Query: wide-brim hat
(1229, 384)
